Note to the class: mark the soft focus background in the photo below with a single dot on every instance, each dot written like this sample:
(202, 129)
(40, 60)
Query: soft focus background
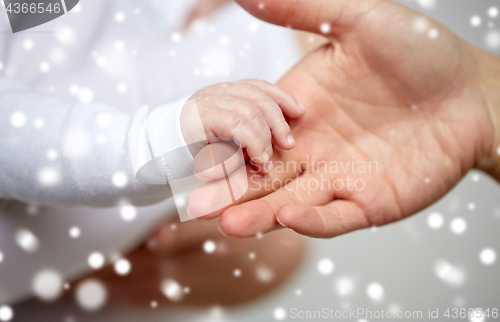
(444, 257)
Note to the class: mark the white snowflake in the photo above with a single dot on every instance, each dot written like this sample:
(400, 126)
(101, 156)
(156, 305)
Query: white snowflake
(85, 95)
(105, 120)
(101, 139)
(435, 220)
(224, 40)
(57, 55)
(176, 37)
(264, 274)
(119, 45)
(121, 88)
(325, 28)
(493, 12)
(433, 33)
(33, 210)
(421, 24)
(66, 36)
(44, 67)
(209, 246)
(279, 314)
(449, 273)
(475, 21)
(477, 315)
(427, 4)
(77, 8)
(120, 16)
(96, 260)
(91, 295)
(52, 155)
(128, 212)
(325, 266)
(344, 286)
(492, 39)
(6, 313)
(18, 119)
(458, 226)
(488, 256)
(172, 290)
(74, 232)
(119, 179)
(47, 285)
(375, 291)
(122, 267)
(48, 176)
(38, 123)
(28, 44)
(253, 26)
(74, 89)
(27, 240)
(101, 61)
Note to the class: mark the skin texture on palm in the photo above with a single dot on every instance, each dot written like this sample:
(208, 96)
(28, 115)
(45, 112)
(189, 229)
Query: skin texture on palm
(392, 87)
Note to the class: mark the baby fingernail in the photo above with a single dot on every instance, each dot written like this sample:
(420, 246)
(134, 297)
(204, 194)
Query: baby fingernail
(290, 139)
(268, 166)
(302, 107)
(265, 156)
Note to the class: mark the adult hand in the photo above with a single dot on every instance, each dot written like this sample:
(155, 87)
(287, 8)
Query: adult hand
(394, 92)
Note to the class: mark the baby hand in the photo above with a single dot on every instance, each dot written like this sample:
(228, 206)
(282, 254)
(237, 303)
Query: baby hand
(250, 111)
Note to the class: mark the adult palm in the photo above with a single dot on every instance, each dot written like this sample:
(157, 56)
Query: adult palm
(393, 90)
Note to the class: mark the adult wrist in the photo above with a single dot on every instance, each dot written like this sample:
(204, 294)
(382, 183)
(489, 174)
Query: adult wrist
(489, 66)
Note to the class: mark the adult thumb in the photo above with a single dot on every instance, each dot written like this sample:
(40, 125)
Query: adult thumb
(331, 18)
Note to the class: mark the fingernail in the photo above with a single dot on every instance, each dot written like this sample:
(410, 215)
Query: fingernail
(278, 220)
(269, 150)
(265, 156)
(302, 107)
(290, 139)
(268, 166)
